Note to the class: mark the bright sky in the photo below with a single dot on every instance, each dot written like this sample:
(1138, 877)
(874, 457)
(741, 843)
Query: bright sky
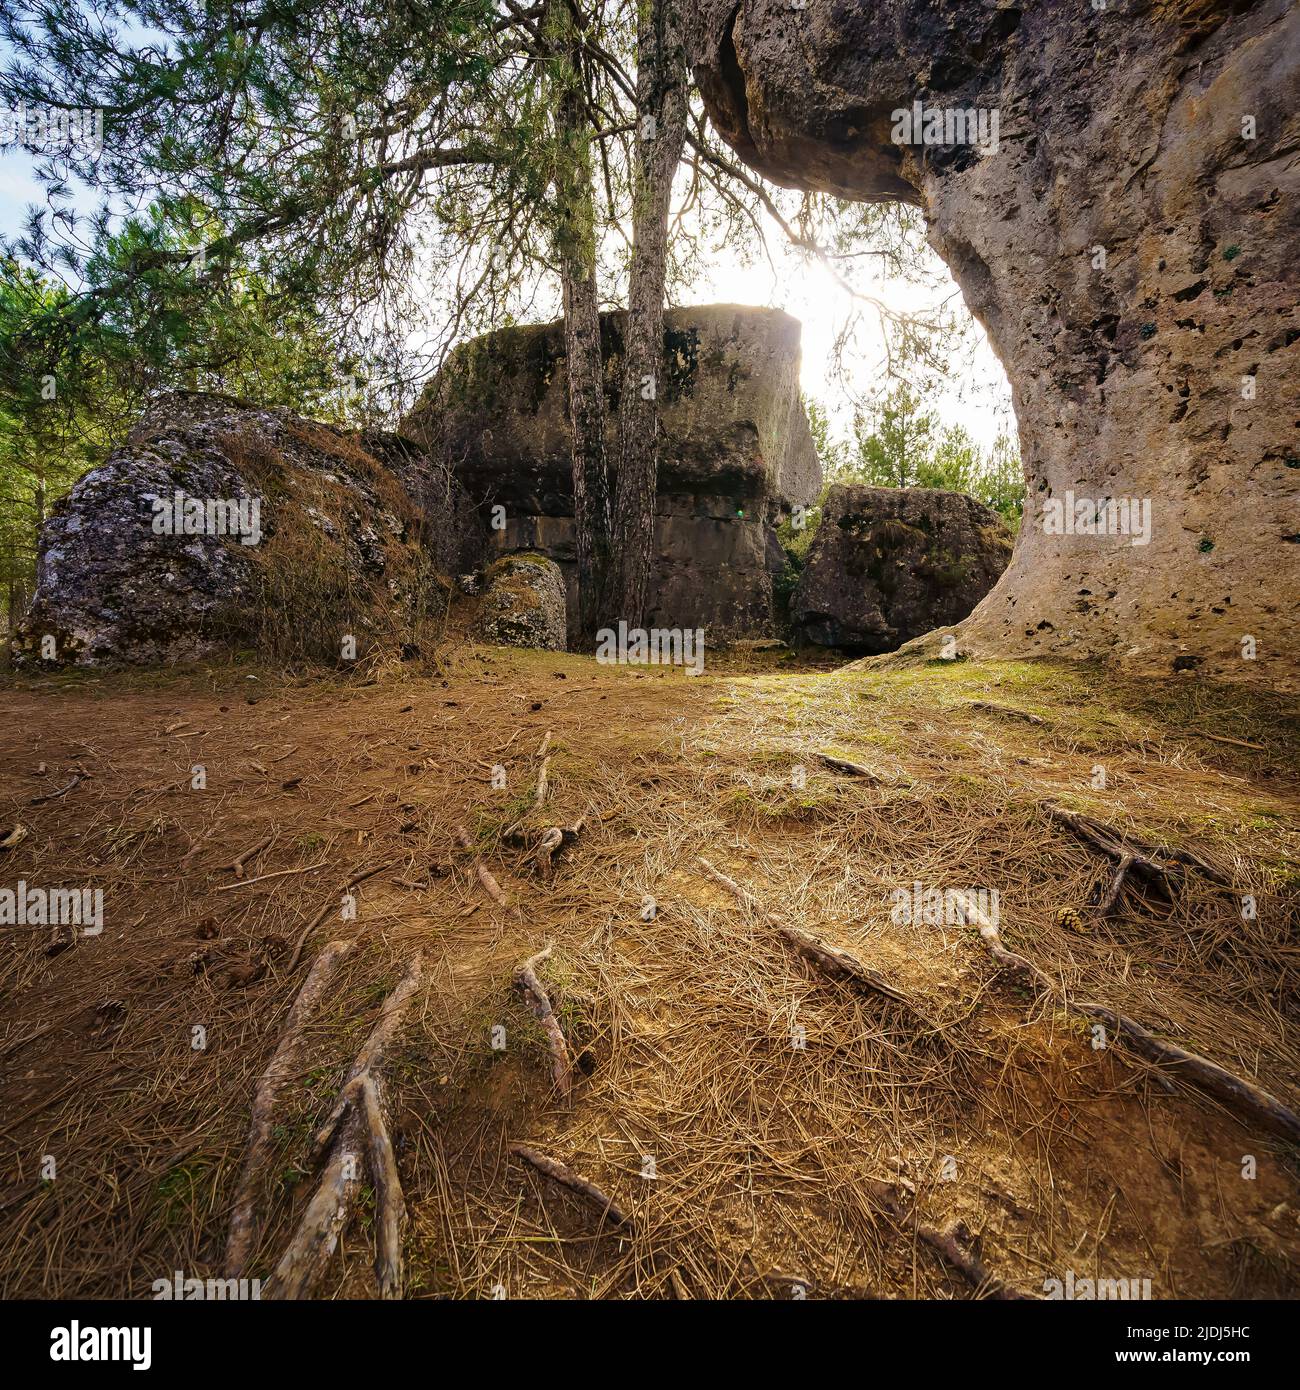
(976, 394)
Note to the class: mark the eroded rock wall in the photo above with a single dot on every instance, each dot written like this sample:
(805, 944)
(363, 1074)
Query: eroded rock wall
(1130, 244)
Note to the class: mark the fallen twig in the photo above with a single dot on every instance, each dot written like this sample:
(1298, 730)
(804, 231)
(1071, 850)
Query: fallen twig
(1236, 742)
(304, 934)
(237, 864)
(325, 910)
(850, 769)
(262, 878)
(561, 1173)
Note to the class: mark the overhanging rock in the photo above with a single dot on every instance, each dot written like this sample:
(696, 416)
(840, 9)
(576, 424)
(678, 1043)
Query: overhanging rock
(736, 453)
(1127, 236)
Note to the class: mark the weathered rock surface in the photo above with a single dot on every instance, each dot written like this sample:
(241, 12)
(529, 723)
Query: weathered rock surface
(735, 454)
(889, 564)
(1129, 245)
(336, 545)
(524, 604)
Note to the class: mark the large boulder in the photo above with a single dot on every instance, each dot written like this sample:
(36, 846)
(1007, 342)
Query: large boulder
(220, 523)
(523, 604)
(889, 564)
(735, 453)
(1126, 234)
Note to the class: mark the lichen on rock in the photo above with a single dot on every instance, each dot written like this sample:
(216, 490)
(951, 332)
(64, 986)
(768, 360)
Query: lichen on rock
(888, 564)
(221, 524)
(523, 604)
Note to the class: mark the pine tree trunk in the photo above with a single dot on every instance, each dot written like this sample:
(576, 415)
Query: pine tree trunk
(591, 506)
(576, 252)
(661, 130)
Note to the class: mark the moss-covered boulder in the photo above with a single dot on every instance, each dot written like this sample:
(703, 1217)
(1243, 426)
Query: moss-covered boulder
(220, 523)
(735, 453)
(523, 604)
(888, 564)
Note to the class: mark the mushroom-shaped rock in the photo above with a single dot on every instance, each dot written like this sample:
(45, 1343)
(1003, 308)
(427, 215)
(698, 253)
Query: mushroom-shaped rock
(1115, 189)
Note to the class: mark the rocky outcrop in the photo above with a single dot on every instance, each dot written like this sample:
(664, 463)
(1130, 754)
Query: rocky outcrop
(220, 523)
(889, 564)
(735, 453)
(523, 604)
(1126, 234)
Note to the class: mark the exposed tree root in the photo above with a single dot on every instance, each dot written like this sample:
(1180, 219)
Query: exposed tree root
(355, 1126)
(554, 839)
(1107, 904)
(943, 1243)
(490, 885)
(15, 837)
(1236, 1092)
(539, 1002)
(849, 769)
(243, 1219)
(561, 1173)
(1158, 862)
(974, 1270)
(831, 960)
(391, 1225)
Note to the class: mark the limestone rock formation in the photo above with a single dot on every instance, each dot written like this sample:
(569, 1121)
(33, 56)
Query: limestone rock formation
(736, 453)
(524, 604)
(221, 523)
(889, 564)
(1127, 236)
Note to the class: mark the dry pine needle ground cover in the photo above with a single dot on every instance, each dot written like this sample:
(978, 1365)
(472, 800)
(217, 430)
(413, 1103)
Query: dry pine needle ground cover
(767, 1130)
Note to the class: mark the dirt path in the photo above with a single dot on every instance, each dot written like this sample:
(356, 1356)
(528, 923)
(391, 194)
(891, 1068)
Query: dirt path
(770, 1132)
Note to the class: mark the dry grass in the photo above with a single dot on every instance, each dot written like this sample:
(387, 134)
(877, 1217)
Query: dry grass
(321, 573)
(767, 1142)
